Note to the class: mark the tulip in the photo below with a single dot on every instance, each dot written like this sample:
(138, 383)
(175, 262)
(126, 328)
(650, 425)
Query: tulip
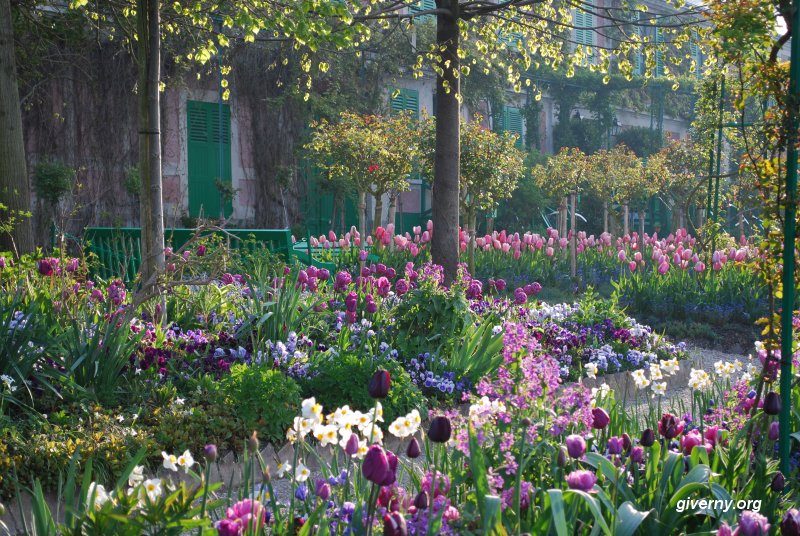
(778, 482)
(379, 384)
(351, 447)
(615, 445)
(774, 431)
(375, 467)
(394, 524)
(669, 426)
(632, 266)
(626, 442)
(772, 403)
(752, 524)
(561, 458)
(600, 418)
(637, 454)
(440, 429)
(581, 480)
(724, 530)
(790, 525)
(576, 446)
(322, 490)
(691, 440)
(413, 451)
(201, 250)
(421, 501)
(210, 453)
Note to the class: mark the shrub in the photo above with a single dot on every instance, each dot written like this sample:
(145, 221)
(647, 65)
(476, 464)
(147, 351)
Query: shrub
(263, 399)
(52, 180)
(342, 380)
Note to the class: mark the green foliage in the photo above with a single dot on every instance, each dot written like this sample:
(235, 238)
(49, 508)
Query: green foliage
(525, 208)
(341, 380)
(642, 141)
(264, 400)
(479, 352)
(52, 180)
(428, 319)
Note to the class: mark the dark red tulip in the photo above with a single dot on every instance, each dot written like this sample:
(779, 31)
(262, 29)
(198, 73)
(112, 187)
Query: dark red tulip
(375, 467)
(670, 426)
(394, 524)
(600, 418)
(379, 384)
(440, 429)
(772, 403)
(648, 438)
(413, 451)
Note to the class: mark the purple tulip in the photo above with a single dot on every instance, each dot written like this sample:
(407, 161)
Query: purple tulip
(637, 454)
(581, 480)
(323, 274)
(401, 287)
(421, 501)
(72, 265)
(774, 431)
(615, 445)
(362, 255)
(752, 524)
(576, 446)
(210, 453)
(2, 262)
(790, 525)
(322, 489)
(351, 301)
(648, 438)
(375, 467)
(600, 418)
(391, 476)
(201, 250)
(520, 297)
(343, 279)
(772, 403)
(45, 267)
(724, 530)
(500, 284)
(351, 447)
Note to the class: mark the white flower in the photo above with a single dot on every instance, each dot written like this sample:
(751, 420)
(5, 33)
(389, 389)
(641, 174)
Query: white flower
(8, 381)
(137, 476)
(186, 460)
(170, 461)
(670, 366)
(312, 410)
(284, 468)
(153, 488)
(362, 420)
(600, 392)
(99, 493)
(724, 369)
(655, 372)
(699, 379)
(326, 435)
(397, 429)
(302, 473)
(179, 401)
(659, 388)
(591, 370)
(497, 329)
(640, 379)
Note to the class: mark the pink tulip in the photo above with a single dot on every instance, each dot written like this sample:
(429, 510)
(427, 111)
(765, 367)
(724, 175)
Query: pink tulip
(717, 266)
(621, 255)
(563, 242)
(331, 236)
(426, 236)
(549, 251)
(699, 267)
(663, 268)
(506, 247)
(632, 266)
(637, 256)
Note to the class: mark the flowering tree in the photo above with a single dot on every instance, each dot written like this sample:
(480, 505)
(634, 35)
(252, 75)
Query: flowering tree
(608, 172)
(369, 154)
(490, 166)
(562, 177)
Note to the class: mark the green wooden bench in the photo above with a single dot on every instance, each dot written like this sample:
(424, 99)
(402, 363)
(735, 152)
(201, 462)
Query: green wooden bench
(119, 249)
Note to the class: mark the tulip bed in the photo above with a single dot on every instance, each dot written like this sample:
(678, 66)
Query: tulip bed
(667, 278)
(411, 407)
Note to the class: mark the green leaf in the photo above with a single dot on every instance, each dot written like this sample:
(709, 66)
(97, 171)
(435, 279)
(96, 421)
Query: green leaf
(557, 508)
(629, 519)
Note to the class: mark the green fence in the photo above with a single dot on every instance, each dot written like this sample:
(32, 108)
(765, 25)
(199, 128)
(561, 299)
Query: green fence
(119, 250)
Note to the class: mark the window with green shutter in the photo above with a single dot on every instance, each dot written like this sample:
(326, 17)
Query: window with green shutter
(423, 5)
(405, 100)
(659, 54)
(510, 120)
(697, 55)
(209, 156)
(584, 27)
(639, 66)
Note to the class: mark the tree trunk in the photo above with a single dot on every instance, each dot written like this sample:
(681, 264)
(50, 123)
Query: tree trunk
(642, 216)
(378, 221)
(15, 195)
(471, 219)
(740, 218)
(562, 218)
(390, 217)
(605, 216)
(625, 219)
(151, 205)
(362, 215)
(444, 242)
(573, 248)
(489, 225)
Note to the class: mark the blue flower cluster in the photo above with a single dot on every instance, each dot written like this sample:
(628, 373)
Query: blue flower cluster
(422, 371)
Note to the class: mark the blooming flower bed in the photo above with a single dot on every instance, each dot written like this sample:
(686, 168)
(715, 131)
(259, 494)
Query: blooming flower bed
(362, 373)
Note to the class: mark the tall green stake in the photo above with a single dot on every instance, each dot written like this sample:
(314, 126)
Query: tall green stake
(787, 304)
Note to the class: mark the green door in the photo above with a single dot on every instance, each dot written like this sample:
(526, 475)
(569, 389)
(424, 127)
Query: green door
(209, 154)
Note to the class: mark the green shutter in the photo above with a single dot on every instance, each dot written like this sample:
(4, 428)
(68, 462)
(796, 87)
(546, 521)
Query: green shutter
(697, 55)
(659, 58)
(405, 100)
(203, 151)
(584, 27)
(639, 66)
(510, 120)
(423, 5)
